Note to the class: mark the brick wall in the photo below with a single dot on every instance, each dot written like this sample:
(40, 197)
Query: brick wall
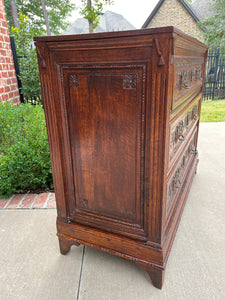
(8, 81)
(173, 13)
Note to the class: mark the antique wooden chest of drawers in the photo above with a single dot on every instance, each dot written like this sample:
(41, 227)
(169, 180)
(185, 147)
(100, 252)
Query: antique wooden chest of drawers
(122, 112)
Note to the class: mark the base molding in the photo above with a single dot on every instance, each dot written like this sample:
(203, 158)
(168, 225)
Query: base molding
(155, 272)
(65, 243)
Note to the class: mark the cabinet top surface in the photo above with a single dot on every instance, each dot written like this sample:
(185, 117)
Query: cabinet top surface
(131, 33)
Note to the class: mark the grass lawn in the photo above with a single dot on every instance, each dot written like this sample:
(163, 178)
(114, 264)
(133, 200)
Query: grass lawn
(213, 111)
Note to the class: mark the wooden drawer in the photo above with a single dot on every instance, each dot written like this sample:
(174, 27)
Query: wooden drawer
(180, 129)
(176, 180)
(188, 75)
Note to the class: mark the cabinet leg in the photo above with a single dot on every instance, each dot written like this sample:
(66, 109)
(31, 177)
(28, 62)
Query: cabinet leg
(65, 244)
(156, 274)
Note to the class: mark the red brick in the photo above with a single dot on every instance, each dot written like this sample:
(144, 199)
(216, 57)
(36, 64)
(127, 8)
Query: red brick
(51, 201)
(8, 60)
(40, 201)
(6, 39)
(5, 74)
(4, 30)
(4, 97)
(7, 89)
(2, 52)
(16, 94)
(14, 80)
(3, 202)
(11, 95)
(28, 201)
(10, 74)
(15, 201)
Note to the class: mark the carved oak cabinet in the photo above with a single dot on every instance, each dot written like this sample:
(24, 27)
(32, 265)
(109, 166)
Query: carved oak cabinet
(122, 112)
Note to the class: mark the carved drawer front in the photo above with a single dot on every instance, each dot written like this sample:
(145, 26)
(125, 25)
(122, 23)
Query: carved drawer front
(176, 180)
(188, 74)
(180, 129)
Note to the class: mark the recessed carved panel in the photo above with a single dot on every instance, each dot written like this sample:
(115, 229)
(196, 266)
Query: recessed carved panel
(117, 91)
(176, 181)
(188, 80)
(181, 128)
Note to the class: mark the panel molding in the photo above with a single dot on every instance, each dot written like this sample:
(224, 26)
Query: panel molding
(133, 77)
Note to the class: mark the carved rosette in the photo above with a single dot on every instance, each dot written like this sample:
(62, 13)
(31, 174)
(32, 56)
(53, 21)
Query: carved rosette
(73, 80)
(130, 81)
(83, 203)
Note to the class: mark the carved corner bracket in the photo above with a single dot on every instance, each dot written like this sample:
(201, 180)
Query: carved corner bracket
(161, 50)
(42, 55)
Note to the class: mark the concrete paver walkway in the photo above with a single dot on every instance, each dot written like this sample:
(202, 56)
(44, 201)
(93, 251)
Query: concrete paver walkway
(31, 266)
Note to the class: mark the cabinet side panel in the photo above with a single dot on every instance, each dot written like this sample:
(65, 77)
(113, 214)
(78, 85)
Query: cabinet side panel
(104, 115)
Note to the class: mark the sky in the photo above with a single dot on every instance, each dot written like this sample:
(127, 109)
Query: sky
(136, 12)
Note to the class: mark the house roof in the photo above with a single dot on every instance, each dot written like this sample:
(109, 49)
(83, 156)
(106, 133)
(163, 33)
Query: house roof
(202, 8)
(186, 5)
(109, 21)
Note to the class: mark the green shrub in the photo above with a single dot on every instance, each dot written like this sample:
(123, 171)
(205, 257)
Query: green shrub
(24, 152)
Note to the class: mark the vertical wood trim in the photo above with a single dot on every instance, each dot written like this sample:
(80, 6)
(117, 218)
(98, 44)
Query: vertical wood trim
(159, 100)
(52, 129)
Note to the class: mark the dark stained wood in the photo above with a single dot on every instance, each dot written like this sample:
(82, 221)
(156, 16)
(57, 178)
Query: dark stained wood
(65, 244)
(122, 112)
(156, 274)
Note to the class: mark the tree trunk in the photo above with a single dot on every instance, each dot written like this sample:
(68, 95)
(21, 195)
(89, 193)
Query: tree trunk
(90, 22)
(45, 17)
(14, 14)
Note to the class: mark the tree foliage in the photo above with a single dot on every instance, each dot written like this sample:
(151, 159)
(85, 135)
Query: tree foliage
(57, 10)
(91, 9)
(27, 59)
(215, 25)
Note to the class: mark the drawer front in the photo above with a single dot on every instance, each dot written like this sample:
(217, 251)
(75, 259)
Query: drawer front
(176, 180)
(188, 81)
(180, 129)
